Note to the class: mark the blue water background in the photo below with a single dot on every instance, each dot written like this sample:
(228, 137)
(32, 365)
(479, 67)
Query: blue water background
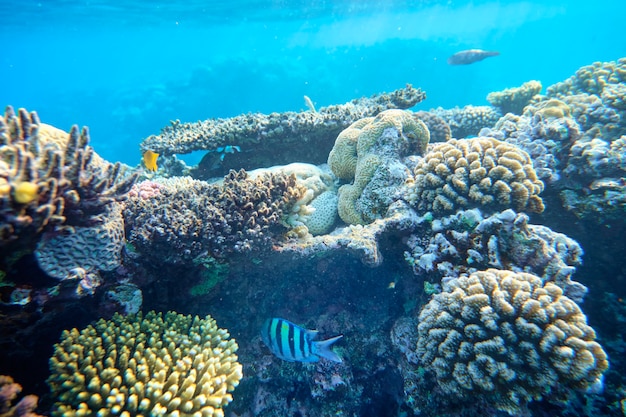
(125, 69)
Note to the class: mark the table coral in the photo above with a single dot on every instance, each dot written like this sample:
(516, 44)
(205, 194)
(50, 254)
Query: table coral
(374, 147)
(188, 218)
(480, 172)
(257, 131)
(507, 338)
(513, 100)
(469, 120)
(145, 366)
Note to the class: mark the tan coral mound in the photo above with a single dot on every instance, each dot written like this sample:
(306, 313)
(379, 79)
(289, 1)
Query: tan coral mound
(480, 172)
(508, 338)
(138, 366)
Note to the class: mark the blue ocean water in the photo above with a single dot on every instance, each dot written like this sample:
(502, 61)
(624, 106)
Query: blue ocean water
(125, 69)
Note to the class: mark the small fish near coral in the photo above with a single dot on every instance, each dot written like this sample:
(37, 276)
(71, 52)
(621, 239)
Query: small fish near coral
(293, 343)
(150, 160)
(470, 56)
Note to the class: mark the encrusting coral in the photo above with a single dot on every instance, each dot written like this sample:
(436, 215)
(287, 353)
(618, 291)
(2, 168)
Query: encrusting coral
(49, 178)
(138, 366)
(184, 219)
(369, 152)
(507, 338)
(479, 172)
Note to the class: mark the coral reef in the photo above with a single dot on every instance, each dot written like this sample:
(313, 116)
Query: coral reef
(369, 153)
(260, 131)
(50, 179)
(507, 337)
(546, 130)
(359, 240)
(9, 390)
(187, 219)
(152, 365)
(480, 172)
(467, 242)
(467, 121)
(513, 100)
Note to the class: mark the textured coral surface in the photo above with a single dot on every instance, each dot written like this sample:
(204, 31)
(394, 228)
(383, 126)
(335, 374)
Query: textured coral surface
(508, 337)
(145, 366)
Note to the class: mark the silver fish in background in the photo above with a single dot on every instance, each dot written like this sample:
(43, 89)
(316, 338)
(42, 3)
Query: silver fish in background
(292, 343)
(470, 56)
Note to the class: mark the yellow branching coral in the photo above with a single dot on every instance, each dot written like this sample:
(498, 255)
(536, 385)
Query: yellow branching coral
(508, 338)
(138, 366)
(480, 172)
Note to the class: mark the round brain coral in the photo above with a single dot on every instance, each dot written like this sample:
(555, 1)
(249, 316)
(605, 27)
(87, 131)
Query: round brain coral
(138, 366)
(479, 172)
(508, 338)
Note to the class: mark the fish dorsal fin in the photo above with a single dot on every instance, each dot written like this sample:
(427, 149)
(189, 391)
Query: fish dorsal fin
(311, 334)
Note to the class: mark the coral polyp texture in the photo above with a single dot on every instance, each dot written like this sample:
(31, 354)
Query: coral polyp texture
(260, 131)
(49, 178)
(369, 153)
(513, 100)
(507, 338)
(184, 219)
(467, 242)
(480, 172)
(155, 365)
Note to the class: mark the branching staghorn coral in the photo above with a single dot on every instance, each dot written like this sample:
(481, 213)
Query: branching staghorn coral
(255, 132)
(184, 219)
(507, 338)
(49, 179)
(145, 366)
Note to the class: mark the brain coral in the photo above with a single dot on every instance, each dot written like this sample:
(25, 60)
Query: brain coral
(145, 366)
(475, 172)
(369, 147)
(507, 338)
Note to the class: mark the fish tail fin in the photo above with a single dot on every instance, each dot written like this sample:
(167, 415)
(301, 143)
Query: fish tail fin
(323, 348)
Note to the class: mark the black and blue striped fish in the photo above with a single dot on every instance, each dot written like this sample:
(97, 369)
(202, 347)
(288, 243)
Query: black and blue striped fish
(295, 344)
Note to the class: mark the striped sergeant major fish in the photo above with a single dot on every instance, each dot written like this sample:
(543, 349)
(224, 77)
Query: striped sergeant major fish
(295, 344)
(470, 56)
